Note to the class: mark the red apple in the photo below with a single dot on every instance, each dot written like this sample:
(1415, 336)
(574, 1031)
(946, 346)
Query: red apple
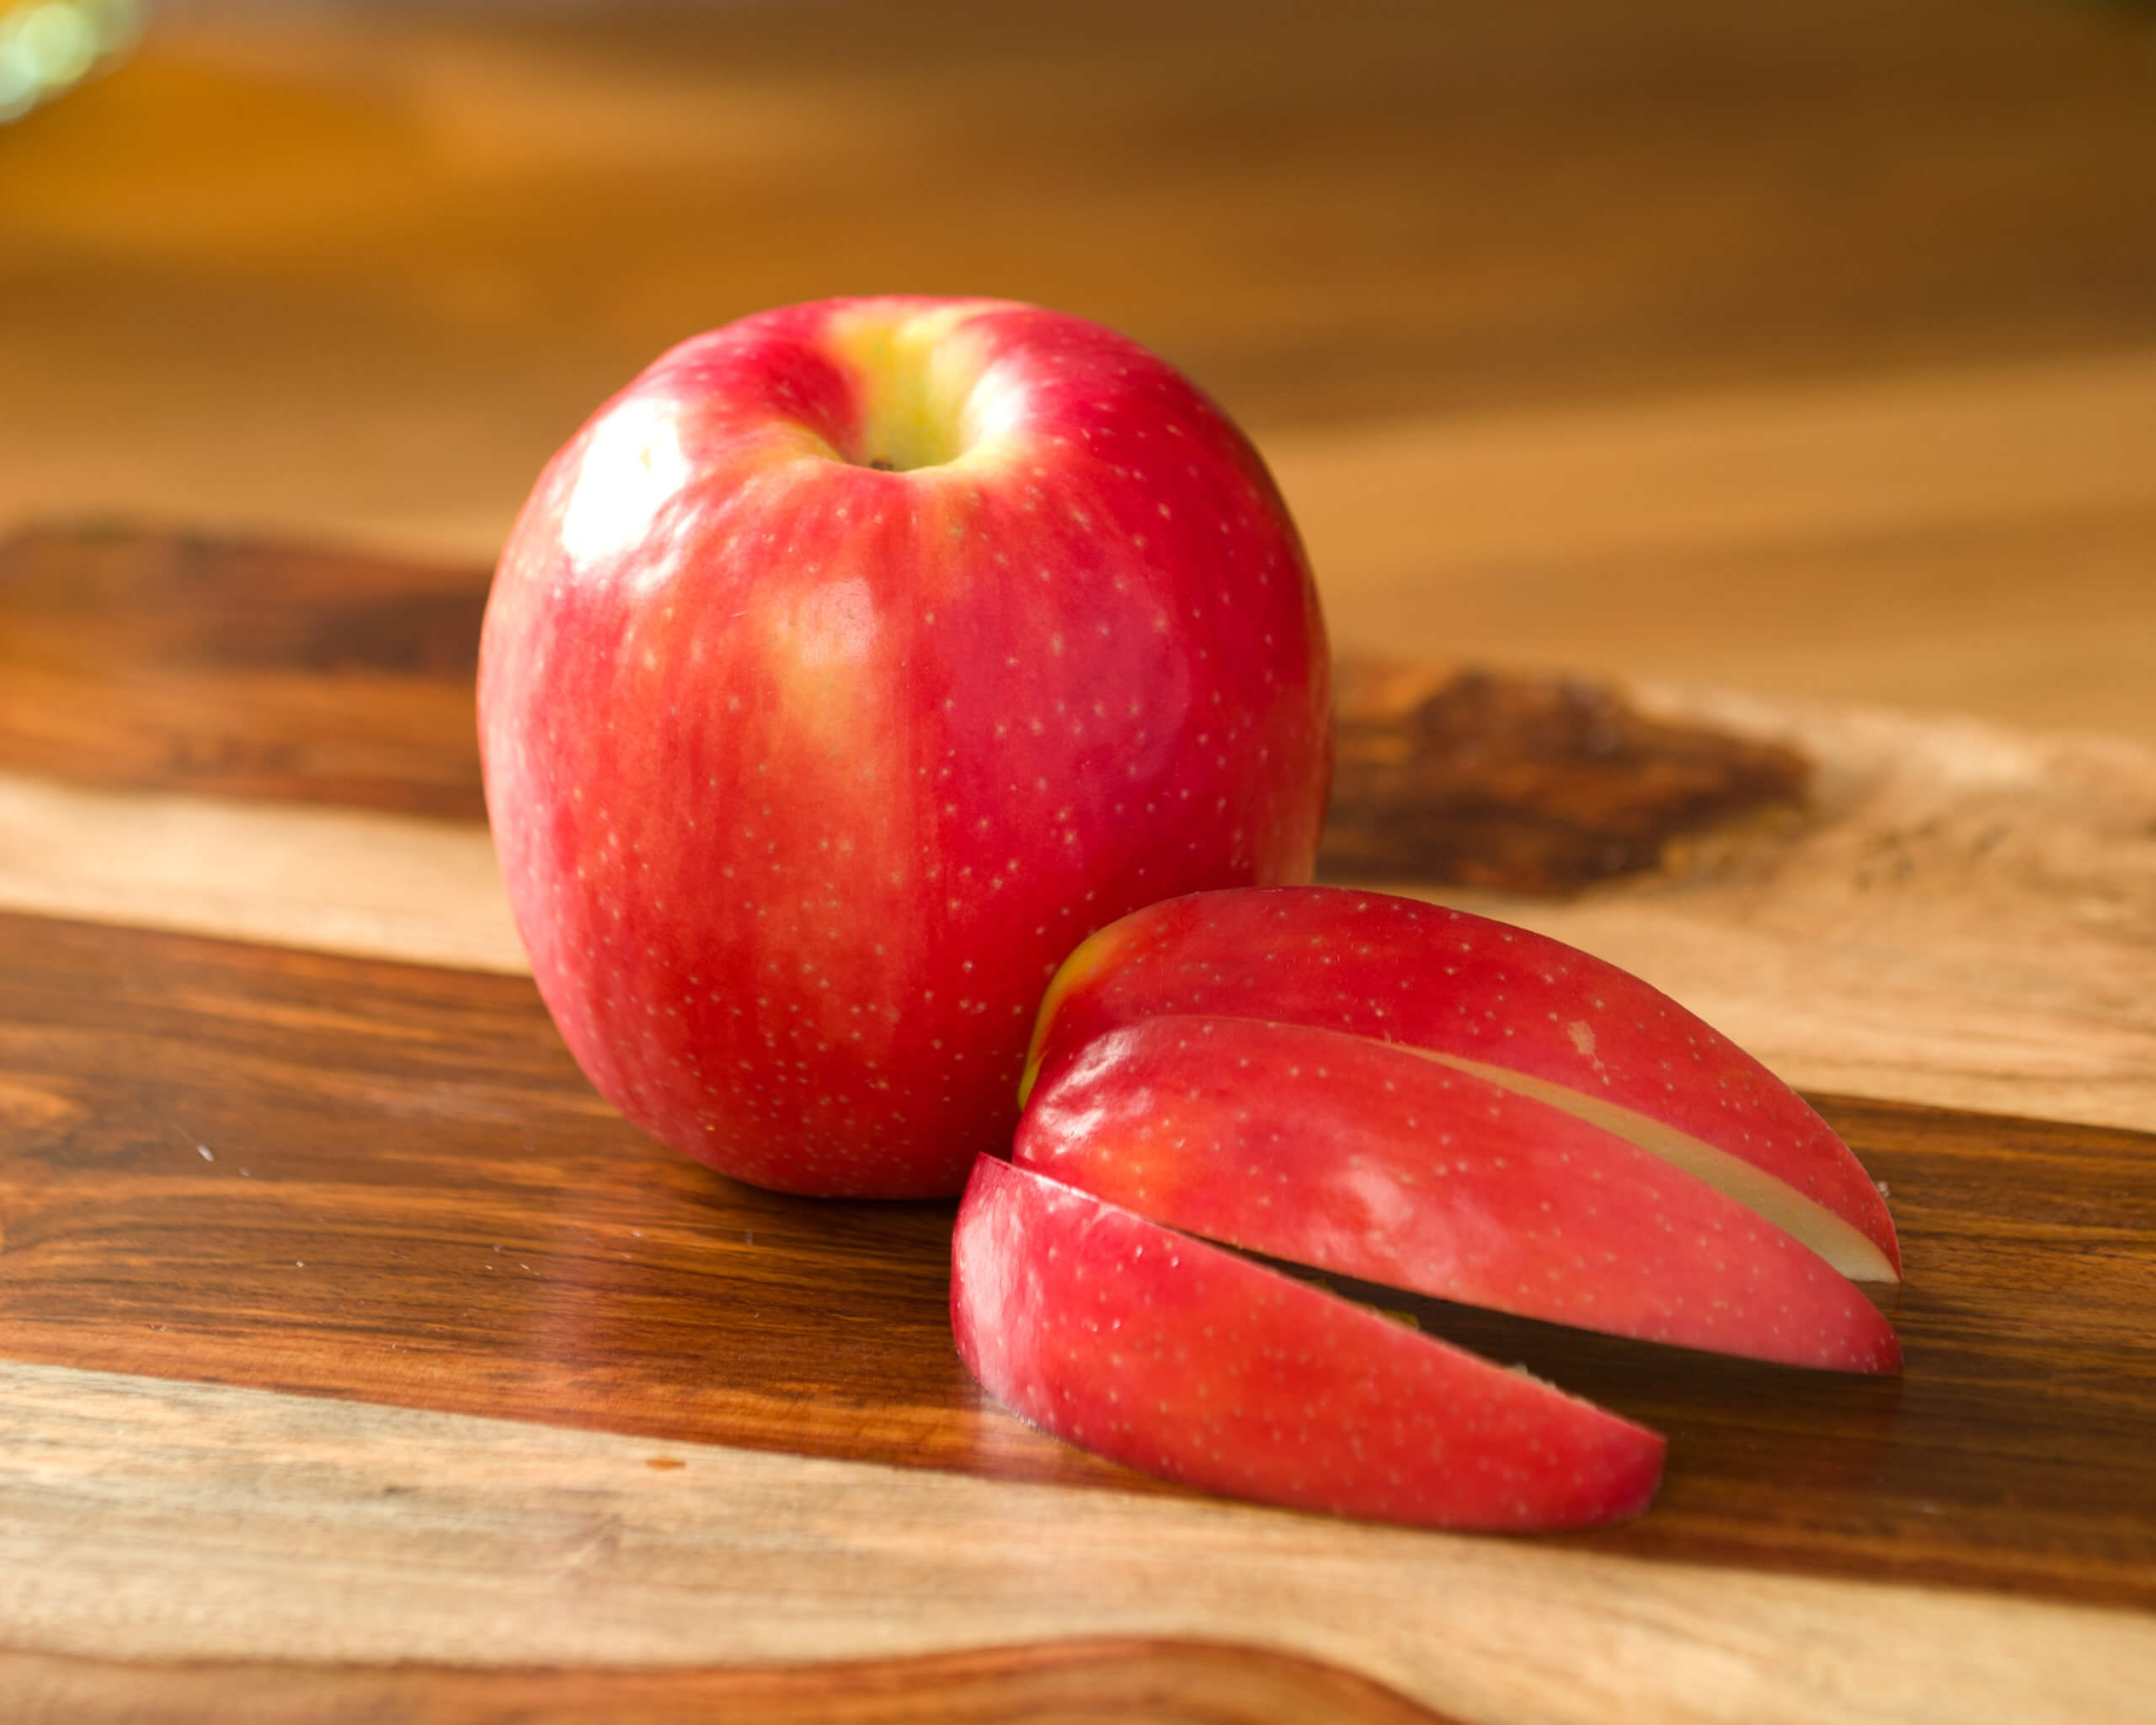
(1406, 1094)
(1367, 1159)
(841, 675)
(1172, 1356)
(1524, 1011)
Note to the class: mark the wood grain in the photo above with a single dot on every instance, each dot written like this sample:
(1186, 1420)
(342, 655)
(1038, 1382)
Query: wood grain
(169, 1522)
(257, 1168)
(1074, 1682)
(237, 669)
(1541, 785)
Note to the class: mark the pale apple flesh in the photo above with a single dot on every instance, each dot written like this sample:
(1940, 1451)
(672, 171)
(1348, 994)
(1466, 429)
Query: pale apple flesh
(1365, 1158)
(1185, 1361)
(1498, 1002)
(841, 676)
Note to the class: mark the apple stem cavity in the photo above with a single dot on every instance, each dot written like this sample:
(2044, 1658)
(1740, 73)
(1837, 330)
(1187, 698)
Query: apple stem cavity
(917, 378)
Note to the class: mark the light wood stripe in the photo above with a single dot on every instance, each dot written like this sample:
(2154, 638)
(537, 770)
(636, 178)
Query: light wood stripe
(1424, 502)
(237, 1524)
(358, 882)
(1063, 1682)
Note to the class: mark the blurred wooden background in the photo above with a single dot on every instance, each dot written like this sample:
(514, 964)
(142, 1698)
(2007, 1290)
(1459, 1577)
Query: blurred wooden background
(1806, 348)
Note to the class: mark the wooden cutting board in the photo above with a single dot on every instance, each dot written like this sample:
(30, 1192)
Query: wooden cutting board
(356, 1361)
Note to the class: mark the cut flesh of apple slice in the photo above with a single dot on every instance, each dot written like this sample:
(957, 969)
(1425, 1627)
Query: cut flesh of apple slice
(1364, 1158)
(1503, 1003)
(1182, 1359)
(1853, 1253)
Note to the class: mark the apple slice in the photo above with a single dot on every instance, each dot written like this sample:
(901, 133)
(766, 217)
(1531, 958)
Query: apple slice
(1183, 1361)
(1526, 1013)
(1370, 1159)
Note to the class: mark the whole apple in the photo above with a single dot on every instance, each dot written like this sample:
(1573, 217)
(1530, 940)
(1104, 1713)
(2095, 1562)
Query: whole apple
(844, 673)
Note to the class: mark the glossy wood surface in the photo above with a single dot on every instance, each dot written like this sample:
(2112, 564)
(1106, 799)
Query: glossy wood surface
(250, 1166)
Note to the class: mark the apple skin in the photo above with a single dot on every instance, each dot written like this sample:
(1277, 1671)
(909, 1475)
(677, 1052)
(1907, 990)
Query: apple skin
(805, 774)
(1517, 1006)
(1181, 1360)
(1361, 1157)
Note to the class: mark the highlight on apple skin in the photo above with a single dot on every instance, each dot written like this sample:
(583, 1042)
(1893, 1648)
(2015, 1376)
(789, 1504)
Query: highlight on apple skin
(1185, 1361)
(841, 675)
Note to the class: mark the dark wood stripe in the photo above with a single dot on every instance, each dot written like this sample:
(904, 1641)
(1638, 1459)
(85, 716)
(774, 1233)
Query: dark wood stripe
(409, 1196)
(1145, 1682)
(168, 661)
(1542, 785)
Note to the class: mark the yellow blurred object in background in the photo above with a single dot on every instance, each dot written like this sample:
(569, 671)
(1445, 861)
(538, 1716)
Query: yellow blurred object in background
(51, 45)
